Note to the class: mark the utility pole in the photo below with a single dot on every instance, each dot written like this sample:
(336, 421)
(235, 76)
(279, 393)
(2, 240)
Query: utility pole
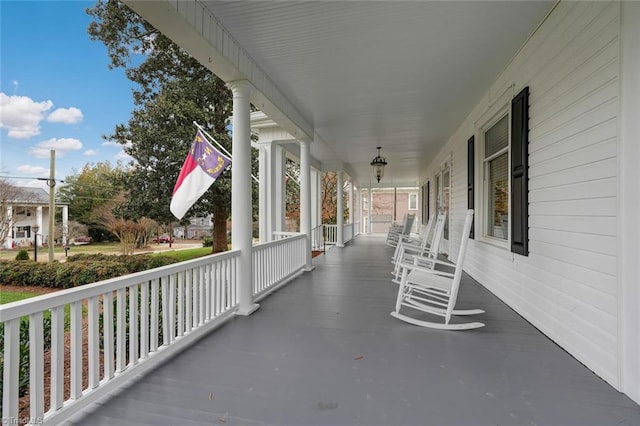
(52, 206)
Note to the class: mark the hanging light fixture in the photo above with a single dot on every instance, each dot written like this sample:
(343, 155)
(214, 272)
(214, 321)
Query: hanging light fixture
(378, 164)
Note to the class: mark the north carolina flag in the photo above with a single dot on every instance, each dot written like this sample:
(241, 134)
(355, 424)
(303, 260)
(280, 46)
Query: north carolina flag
(201, 168)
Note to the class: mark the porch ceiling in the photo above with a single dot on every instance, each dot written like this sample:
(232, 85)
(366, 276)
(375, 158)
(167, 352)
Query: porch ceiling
(397, 74)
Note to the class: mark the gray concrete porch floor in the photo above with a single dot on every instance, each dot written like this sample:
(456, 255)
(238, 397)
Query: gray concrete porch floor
(324, 350)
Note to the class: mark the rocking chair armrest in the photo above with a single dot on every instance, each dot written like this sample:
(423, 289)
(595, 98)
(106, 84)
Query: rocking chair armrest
(411, 267)
(411, 246)
(436, 261)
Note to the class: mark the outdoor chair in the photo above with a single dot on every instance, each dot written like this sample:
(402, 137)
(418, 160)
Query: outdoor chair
(422, 253)
(397, 232)
(432, 291)
(421, 239)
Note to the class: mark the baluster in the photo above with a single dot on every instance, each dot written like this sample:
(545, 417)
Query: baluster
(11, 372)
(94, 345)
(57, 358)
(36, 366)
(76, 349)
(144, 319)
(107, 332)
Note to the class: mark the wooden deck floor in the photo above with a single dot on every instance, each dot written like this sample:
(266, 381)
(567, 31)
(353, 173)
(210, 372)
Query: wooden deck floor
(324, 350)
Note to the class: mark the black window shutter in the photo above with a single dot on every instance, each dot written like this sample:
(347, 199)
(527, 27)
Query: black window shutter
(428, 199)
(470, 180)
(520, 173)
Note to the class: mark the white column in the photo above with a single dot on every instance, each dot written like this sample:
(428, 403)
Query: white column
(264, 221)
(351, 201)
(340, 211)
(9, 241)
(279, 188)
(39, 224)
(305, 198)
(369, 227)
(359, 201)
(628, 247)
(314, 198)
(241, 194)
(65, 225)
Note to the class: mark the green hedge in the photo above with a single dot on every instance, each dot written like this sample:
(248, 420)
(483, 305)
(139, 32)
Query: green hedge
(78, 270)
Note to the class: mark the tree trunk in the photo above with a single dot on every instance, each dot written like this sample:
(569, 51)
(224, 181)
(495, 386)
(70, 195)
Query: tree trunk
(219, 230)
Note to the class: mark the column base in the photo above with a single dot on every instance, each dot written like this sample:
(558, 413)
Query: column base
(340, 245)
(309, 268)
(249, 311)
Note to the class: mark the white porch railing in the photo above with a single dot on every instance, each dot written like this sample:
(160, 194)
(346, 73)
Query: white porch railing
(130, 323)
(276, 262)
(349, 231)
(330, 233)
(318, 238)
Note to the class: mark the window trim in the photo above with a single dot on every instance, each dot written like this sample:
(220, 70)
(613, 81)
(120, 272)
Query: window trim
(491, 119)
(411, 194)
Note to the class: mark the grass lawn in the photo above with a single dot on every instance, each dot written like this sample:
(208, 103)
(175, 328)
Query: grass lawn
(14, 296)
(186, 254)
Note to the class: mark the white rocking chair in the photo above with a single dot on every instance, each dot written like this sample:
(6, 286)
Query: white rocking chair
(422, 239)
(435, 292)
(422, 254)
(396, 232)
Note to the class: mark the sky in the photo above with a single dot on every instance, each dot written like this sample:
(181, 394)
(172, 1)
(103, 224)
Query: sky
(56, 92)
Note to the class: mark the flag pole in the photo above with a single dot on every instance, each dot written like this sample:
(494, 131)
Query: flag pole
(224, 151)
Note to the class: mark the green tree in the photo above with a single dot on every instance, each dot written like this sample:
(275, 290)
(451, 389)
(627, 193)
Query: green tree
(173, 90)
(90, 188)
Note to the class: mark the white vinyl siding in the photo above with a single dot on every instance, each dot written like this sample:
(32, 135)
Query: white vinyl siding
(567, 286)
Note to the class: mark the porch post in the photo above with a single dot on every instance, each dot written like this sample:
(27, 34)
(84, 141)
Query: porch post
(350, 201)
(39, 224)
(9, 240)
(263, 197)
(314, 198)
(359, 201)
(241, 194)
(279, 189)
(65, 225)
(340, 211)
(369, 227)
(305, 198)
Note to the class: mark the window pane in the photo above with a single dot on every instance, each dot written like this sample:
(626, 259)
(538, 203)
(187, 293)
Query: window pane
(497, 137)
(498, 218)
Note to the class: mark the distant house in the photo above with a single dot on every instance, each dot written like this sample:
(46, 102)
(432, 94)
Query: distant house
(389, 206)
(29, 212)
(199, 227)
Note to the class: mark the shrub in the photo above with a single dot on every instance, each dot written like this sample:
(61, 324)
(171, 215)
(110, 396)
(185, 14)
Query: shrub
(207, 242)
(22, 255)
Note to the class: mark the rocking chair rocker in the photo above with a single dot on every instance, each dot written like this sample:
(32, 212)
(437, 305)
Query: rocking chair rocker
(433, 291)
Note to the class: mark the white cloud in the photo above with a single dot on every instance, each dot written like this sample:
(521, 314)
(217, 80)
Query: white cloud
(65, 115)
(40, 152)
(21, 115)
(90, 152)
(110, 143)
(123, 156)
(36, 171)
(15, 86)
(61, 146)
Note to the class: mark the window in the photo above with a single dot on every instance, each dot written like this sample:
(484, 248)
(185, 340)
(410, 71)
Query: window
(23, 232)
(365, 202)
(496, 168)
(413, 201)
(503, 208)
